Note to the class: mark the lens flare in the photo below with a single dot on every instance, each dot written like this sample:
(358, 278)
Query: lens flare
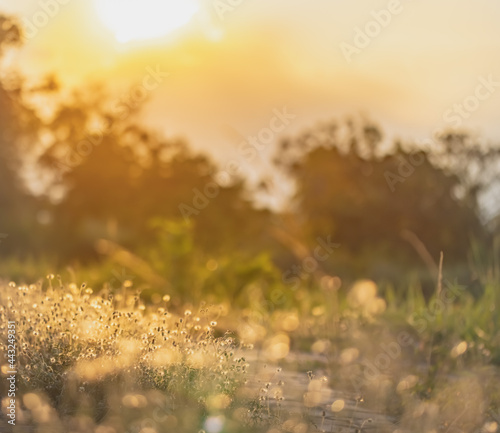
(136, 20)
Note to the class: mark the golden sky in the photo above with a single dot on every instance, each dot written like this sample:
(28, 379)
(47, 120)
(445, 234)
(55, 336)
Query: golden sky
(228, 70)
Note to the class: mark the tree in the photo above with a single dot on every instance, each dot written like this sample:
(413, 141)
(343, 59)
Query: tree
(120, 176)
(387, 210)
(18, 128)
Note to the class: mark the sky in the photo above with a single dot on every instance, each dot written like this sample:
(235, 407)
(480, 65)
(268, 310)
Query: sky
(412, 66)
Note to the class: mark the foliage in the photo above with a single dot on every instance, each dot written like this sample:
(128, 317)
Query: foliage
(18, 123)
(76, 349)
(389, 210)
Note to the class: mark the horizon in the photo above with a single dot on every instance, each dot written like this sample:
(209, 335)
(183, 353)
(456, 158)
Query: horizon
(219, 77)
(263, 58)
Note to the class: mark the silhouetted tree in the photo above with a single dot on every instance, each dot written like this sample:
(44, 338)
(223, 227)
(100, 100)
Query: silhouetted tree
(121, 176)
(390, 210)
(18, 129)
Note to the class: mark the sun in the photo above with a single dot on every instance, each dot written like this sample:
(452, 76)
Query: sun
(137, 20)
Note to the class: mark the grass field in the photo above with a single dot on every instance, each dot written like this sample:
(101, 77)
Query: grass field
(235, 216)
(362, 358)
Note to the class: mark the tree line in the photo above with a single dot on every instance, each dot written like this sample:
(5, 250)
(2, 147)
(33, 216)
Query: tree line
(86, 173)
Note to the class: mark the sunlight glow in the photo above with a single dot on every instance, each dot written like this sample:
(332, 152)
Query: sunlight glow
(134, 20)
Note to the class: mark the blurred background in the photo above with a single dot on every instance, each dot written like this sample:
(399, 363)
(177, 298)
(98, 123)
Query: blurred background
(210, 146)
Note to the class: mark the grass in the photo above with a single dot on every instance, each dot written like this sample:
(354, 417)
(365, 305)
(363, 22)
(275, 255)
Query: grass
(86, 358)
(112, 361)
